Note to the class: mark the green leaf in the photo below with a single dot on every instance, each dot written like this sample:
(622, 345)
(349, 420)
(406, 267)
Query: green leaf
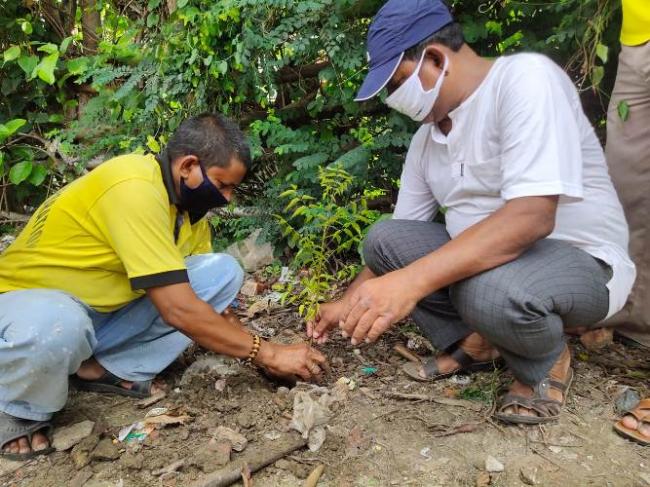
(45, 69)
(64, 45)
(48, 48)
(597, 75)
(11, 127)
(602, 51)
(56, 118)
(181, 3)
(20, 172)
(623, 109)
(77, 65)
(38, 175)
(27, 64)
(12, 53)
(153, 144)
(26, 27)
(152, 19)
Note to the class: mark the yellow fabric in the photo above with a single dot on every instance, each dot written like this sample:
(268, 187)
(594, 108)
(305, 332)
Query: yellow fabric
(636, 22)
(114, 224)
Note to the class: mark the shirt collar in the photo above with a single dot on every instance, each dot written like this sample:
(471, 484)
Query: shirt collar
(168, 179)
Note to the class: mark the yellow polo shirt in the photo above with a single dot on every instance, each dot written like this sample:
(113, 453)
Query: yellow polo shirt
(636, 22)
(107, 236)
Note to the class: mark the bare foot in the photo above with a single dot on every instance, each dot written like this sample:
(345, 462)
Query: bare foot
(559, 373)
(473, 345)
(630, 422)
(92, 370)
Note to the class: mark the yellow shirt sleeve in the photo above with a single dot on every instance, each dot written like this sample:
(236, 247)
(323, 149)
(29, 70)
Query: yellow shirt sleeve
(134, 217)
(201, 237)
(636, 22)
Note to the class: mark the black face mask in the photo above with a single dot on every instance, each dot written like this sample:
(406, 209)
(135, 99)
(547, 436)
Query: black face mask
(197, 201)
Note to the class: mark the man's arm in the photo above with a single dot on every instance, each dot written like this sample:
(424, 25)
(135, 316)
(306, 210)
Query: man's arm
(496, 240)
(181, 308)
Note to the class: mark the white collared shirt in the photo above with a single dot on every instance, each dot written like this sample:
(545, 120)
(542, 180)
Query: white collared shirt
(522, 132)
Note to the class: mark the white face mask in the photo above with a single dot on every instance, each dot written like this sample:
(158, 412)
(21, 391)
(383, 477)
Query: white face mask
(411, 99)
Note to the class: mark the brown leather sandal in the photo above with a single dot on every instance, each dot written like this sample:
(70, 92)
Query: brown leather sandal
(547, 409)
(466, 365)
(642, 414)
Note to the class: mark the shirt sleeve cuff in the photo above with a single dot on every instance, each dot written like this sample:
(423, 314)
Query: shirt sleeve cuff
(160, 279)
(570, 191)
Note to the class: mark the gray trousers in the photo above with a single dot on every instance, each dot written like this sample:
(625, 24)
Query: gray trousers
(521, 307)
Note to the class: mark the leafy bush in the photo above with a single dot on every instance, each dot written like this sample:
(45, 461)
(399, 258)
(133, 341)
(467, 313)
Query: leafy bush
(324, 232)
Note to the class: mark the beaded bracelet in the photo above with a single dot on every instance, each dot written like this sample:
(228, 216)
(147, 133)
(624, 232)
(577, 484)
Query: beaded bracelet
(254, 351)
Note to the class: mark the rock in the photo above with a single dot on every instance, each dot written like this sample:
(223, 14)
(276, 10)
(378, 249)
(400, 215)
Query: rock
(493, 465)
(645, 477)
(555, 449)
(105, 450)
(81, 452)
(528, 475)
(9, 466)
(67, 437)
(132, 461)
(250, 253)
(251, 288)
(210, 459)
(626, 401)
(246, 419)
(220, 365)
(223, 434)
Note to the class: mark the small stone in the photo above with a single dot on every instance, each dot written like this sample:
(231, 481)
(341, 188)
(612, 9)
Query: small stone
(251, 288)
(81, 452)
(223, 434)
(528, 475)
(67, 437)
(483, 480)
(426, 453)
(105, 450)
(645, 477)
(246, 419)
(555, 449)
(132, 461)
(626, 401)
(493, 465)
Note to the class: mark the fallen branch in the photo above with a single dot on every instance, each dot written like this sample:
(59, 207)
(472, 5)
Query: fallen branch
(233, 473)
(14, 217)
(407, 354)
(438, 400)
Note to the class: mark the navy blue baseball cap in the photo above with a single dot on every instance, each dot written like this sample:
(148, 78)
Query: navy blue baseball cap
(398, 26)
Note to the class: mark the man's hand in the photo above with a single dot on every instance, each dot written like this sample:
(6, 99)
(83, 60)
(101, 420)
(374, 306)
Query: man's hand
(286, 360)
(376, 305)
(329, 315)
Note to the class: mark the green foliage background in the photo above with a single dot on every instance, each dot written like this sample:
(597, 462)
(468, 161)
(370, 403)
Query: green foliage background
(286, 70)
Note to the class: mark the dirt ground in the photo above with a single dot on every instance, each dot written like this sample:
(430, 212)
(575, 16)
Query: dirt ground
(373, 437)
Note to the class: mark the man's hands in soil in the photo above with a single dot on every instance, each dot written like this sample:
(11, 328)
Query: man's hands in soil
(376, 305)
(329, 315)
(298, 359)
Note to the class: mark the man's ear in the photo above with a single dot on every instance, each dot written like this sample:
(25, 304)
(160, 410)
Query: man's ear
(434, 53)
(186, 164)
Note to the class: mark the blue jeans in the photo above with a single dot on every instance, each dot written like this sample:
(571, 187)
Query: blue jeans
(46, 334)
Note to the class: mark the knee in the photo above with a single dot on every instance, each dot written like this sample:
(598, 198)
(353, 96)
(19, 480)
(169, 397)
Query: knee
(508, 316)
(215, 273)
(380, 240)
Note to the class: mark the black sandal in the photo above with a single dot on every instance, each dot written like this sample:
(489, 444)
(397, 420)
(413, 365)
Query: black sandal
(110, 383)
(547, 409)
(12, 428)
(467, 365)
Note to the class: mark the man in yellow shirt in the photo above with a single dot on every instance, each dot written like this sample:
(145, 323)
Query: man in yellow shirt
(628, 157)
(112, 278)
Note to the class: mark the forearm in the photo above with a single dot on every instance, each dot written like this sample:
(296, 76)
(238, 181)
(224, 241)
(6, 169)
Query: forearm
(500, 238)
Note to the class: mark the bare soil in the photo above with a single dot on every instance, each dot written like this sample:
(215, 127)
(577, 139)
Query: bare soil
(373, 438)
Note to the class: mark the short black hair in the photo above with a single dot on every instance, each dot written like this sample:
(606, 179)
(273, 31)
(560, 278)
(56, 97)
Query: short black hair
(211, 137)
(450, 36)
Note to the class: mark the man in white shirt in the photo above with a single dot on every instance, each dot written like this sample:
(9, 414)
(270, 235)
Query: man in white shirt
(534, 241)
